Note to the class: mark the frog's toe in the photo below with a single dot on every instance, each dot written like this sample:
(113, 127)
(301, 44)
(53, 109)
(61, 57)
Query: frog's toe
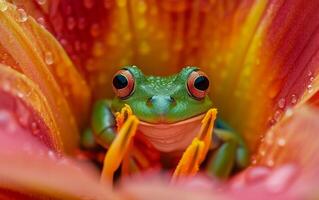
(87, 139)
(223, 160)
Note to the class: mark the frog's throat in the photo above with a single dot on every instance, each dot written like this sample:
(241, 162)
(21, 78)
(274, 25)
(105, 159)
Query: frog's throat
(172, 137)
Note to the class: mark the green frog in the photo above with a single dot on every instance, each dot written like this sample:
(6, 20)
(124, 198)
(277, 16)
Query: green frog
(170, 110)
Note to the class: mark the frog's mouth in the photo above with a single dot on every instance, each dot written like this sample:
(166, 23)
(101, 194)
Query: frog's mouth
(174, 136)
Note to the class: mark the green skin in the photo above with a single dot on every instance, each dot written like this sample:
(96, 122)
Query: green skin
(231, 153)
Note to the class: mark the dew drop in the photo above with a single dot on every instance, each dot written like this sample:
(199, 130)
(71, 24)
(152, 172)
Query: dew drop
(3, 5)
(311, 78)
(71, 23)
(309, 73)
(41, 2)
(144, 48)
(269, 137)
(41, 21)
(281, 142)
(289, 112)
(277, 115)
(22, 15)
(121, 3)
(20, 94)
(88, 4)
(294, 99)
(309, 87)
(270, 163)
(107, 4)
(6, 86)
(141, 7)
(262, 152)
(48, 58)
(281, 103)
(82, 23)
(95, 30)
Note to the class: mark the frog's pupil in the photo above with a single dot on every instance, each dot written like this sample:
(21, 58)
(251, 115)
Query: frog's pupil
(120, 81)
(201, 83)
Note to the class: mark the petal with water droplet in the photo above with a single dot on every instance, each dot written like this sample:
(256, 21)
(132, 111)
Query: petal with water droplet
(30, 49)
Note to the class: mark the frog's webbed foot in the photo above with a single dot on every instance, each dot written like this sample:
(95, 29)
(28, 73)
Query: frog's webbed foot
(197, 150)
(232, 154)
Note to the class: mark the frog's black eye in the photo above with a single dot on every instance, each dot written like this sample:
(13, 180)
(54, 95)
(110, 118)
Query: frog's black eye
(197, 84)
(123, 83)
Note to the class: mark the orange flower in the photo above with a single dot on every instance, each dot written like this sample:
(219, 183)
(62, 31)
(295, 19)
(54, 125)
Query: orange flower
(57, 57)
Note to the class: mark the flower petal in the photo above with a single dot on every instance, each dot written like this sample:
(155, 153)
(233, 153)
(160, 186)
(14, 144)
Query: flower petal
(22, 98)
(29, 169)
(30, 49)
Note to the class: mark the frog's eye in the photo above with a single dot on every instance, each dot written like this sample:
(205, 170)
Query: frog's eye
(197, 84)
(123, 83)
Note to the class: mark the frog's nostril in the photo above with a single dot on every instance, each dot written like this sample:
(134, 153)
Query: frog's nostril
(161, 102)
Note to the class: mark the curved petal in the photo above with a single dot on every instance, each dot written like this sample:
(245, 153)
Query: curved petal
(286, 161)
(22, 98)
(30, 49)
(29, 170)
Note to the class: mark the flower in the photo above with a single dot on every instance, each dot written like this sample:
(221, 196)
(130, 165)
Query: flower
(57, 57)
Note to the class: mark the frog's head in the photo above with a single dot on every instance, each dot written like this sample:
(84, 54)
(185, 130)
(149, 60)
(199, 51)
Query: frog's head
(170, 108)
(156, 99)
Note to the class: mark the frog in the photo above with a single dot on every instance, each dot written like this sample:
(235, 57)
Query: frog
(170, 110)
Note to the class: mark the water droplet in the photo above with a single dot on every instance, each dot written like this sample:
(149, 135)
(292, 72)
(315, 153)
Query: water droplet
(311, 78)
(41, 2)
(41, 21)
(48, 58)
(144, 48)
(262, 152)
(95, 30)
(35, 128)
(3, 5)
(281, 142)
(81, 23)
(88, 3)
(281, 103)
(71, 23)
(269, 137)
(107, 4)
(141, 7)
(20, 94)
(121, 3)
(294, 99)
(277, 115)
(309, 87)
(22, 15)
(289, 112)
(6, 86)
(270, 163)
(52, 155)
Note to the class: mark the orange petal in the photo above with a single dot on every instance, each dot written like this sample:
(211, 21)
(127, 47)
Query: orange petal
(27, 47)
(23, 99)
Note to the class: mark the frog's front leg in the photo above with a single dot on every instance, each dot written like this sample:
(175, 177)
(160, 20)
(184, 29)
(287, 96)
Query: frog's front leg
(103, 123)
(232, 153)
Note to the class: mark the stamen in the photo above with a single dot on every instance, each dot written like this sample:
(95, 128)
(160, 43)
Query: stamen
(197, 150)
(119, 148)
(190, 161)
